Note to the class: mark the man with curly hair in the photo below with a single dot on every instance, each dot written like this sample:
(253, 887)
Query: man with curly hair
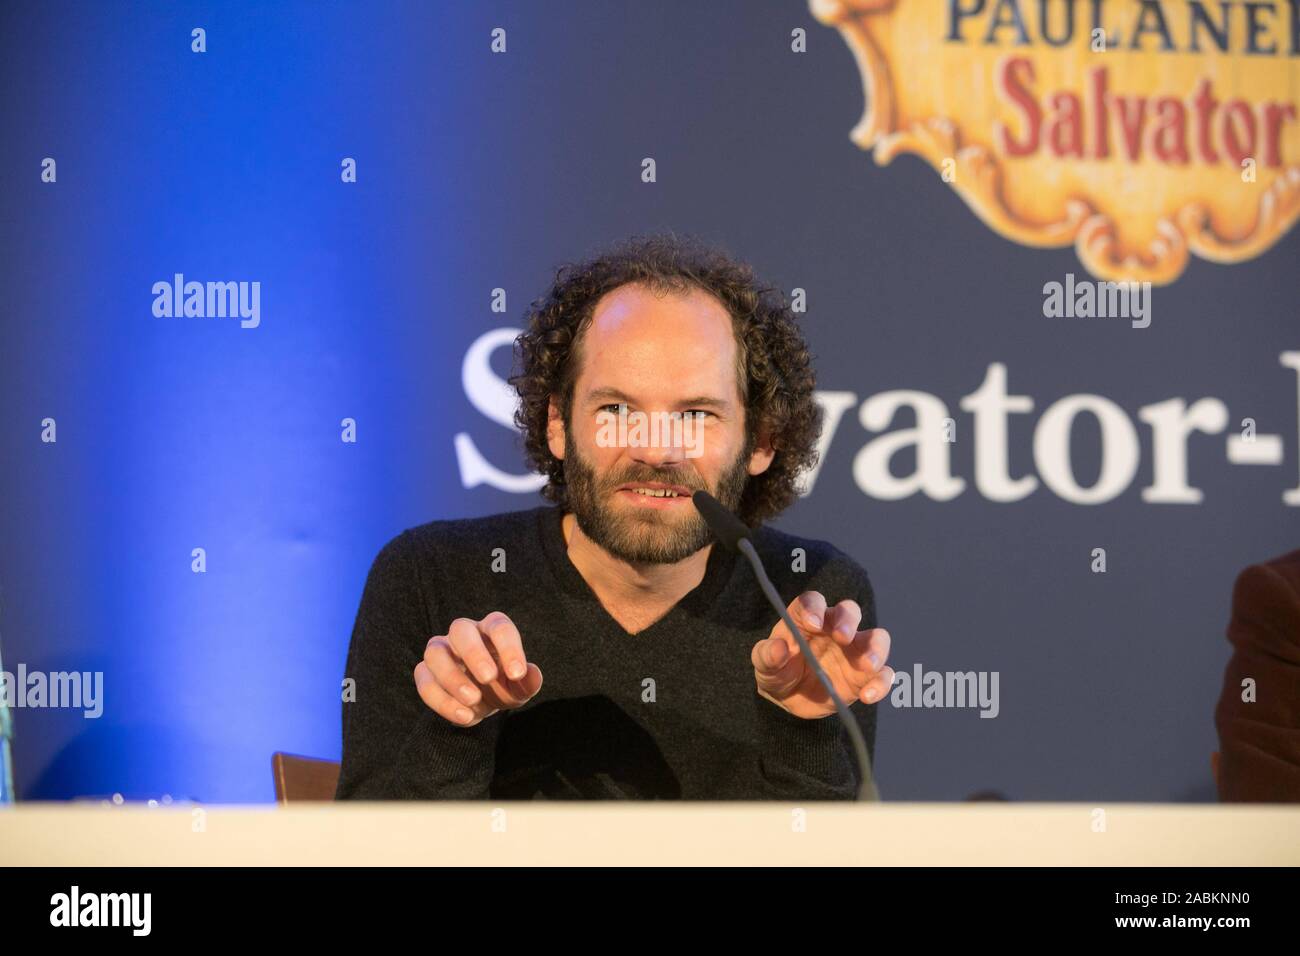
(667, 675)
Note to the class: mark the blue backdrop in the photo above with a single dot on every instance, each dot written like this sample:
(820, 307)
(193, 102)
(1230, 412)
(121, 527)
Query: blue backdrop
(478, 171)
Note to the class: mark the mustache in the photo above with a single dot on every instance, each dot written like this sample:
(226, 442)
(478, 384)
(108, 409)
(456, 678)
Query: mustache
(691, 481)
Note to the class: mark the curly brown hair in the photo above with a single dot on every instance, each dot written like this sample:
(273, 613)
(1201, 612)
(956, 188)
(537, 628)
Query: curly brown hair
(774, 366)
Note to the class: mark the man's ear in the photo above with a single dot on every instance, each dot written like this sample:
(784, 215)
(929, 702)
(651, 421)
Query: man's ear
(760, 459)
(555, 430)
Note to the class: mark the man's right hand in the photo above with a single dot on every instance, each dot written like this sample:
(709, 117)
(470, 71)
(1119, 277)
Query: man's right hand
(476, 669)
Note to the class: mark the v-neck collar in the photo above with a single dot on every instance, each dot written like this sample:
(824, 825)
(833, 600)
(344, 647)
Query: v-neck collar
(697, 602)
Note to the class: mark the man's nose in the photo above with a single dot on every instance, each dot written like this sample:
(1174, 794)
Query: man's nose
(663, 447)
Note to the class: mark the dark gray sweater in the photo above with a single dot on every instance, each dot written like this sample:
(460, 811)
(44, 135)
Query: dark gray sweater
(668, 713)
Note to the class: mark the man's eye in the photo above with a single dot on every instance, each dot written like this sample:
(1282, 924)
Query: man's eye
(698, 414)
(618, 408)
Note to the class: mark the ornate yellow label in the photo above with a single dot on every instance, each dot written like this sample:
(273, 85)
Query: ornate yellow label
(1140, 131)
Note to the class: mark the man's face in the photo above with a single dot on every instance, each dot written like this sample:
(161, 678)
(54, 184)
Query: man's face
(666, 366)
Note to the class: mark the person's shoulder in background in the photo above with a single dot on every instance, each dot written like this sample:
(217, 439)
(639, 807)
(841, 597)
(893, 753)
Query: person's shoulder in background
(1258, 713)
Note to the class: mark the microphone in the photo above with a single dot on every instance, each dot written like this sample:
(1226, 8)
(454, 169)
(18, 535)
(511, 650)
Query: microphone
(732, 533)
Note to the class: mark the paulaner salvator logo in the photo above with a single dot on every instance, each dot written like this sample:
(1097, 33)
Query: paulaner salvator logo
(209, 300)
(1141, 133)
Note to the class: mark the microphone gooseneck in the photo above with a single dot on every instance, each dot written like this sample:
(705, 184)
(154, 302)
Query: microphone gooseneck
(732, 533)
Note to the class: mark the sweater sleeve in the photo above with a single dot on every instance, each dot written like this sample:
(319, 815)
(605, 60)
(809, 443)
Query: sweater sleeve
(394, 746)
(813, 759)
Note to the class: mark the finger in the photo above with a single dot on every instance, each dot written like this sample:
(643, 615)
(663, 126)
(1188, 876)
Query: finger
(878, 643)
(808, 611)
(508, 644)
(467, 642)
(769, 656)
(438, 700)
(876, 688)
(530, 683)
(775, 668)
(842, 621)
(515, 693)
(865, 655)
(448, 672)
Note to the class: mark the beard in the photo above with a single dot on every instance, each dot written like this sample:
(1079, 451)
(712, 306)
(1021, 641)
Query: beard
(646, 536)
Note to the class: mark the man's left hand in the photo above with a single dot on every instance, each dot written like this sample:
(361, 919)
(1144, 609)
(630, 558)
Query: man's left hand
(854, 660)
